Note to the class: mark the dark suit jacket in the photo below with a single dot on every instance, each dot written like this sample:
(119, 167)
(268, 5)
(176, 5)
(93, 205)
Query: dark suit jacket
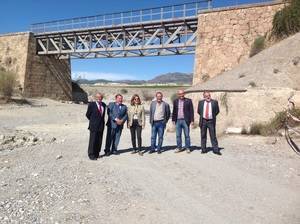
(114, 112)
(214, 107)
(188, 110)
(96, 120)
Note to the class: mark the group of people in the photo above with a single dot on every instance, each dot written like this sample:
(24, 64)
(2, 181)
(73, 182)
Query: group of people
(118, 114)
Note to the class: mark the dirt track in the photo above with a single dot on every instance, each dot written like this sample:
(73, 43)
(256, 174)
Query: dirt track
(254, 181)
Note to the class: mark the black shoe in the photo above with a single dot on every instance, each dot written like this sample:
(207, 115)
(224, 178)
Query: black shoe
(107, 154)
(151, 151)
(217, 153)
(93, 158)
(115, 152)
(158, 151)
(203, 151)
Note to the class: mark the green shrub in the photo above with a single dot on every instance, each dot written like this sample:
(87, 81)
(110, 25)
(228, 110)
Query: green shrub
(256, 129)
(257, 46)
(124, 91)
(252, 84)
(147, 96)
(173, 97)
(244, 131)
(205, 77)
(8, 82)
(224, 101)
(287, 21)
(275, 124)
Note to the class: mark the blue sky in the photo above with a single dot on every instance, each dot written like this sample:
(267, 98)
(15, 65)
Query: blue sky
(17, 15)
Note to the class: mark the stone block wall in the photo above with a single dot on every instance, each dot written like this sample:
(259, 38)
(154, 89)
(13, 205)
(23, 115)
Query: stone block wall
(13, 54)
(38, 76)
(225, 37)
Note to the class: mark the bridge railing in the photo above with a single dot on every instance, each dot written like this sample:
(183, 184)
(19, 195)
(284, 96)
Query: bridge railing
(122, 18)
(137, 16)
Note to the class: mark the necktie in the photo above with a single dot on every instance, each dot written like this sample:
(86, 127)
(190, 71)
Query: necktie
(207, 110)
(99, 108)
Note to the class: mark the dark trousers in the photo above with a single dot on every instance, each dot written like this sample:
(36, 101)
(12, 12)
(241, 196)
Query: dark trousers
(136, 133)
(112, 139)
(95, 143)
(211, 126)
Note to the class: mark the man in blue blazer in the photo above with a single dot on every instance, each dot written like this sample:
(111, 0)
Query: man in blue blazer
(117, 116)
(95, 114)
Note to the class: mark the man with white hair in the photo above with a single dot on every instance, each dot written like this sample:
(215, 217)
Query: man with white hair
(96, 114)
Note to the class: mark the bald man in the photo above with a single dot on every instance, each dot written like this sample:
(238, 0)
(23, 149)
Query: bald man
(183, 117)
(96, 114)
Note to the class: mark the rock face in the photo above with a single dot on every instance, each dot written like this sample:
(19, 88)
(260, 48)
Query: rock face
(225, 37)
(38, 76)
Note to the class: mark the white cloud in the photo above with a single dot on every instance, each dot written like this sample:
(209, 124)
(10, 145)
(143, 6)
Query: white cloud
(101, 75)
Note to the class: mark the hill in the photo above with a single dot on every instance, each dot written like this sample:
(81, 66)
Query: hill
(175, 77)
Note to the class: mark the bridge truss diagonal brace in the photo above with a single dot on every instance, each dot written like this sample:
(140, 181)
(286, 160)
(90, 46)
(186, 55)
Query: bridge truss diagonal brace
(176, 37)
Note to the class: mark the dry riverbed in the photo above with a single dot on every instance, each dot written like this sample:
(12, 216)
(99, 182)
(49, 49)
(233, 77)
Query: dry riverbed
(45, 176)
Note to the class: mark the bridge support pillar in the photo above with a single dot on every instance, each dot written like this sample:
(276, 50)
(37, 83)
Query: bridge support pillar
(225, 36)
(38, 76)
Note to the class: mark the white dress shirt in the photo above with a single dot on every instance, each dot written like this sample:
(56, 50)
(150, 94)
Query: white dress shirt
(98, 105)
(209, 110)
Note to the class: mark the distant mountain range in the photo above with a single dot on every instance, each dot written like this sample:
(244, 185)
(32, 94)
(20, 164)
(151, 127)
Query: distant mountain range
(173, 77)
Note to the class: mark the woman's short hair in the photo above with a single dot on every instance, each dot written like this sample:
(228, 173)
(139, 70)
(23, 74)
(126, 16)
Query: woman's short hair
(133, 97)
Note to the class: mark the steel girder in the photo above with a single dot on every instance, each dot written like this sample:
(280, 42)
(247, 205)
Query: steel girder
(149, 39)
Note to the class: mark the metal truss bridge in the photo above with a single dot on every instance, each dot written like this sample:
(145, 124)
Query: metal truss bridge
(167, 30)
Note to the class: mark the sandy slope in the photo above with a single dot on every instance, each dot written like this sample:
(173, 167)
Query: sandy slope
(277, 66)
(252, 182)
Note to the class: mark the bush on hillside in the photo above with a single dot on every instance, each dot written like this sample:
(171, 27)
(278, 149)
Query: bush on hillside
(257, 46)
(275, 124)
(287, 21)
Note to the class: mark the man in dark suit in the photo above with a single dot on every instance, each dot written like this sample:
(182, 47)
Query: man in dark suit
(208, 109)
(183, 117)
(96, 113)
(117, 116)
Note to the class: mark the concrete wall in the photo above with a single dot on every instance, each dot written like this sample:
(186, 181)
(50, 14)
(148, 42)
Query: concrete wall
(241, 109)
(225, 37)
(38, 76)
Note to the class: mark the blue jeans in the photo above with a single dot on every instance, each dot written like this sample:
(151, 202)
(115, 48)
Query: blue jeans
(112, 139)
(158, 128)
(182, 125)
